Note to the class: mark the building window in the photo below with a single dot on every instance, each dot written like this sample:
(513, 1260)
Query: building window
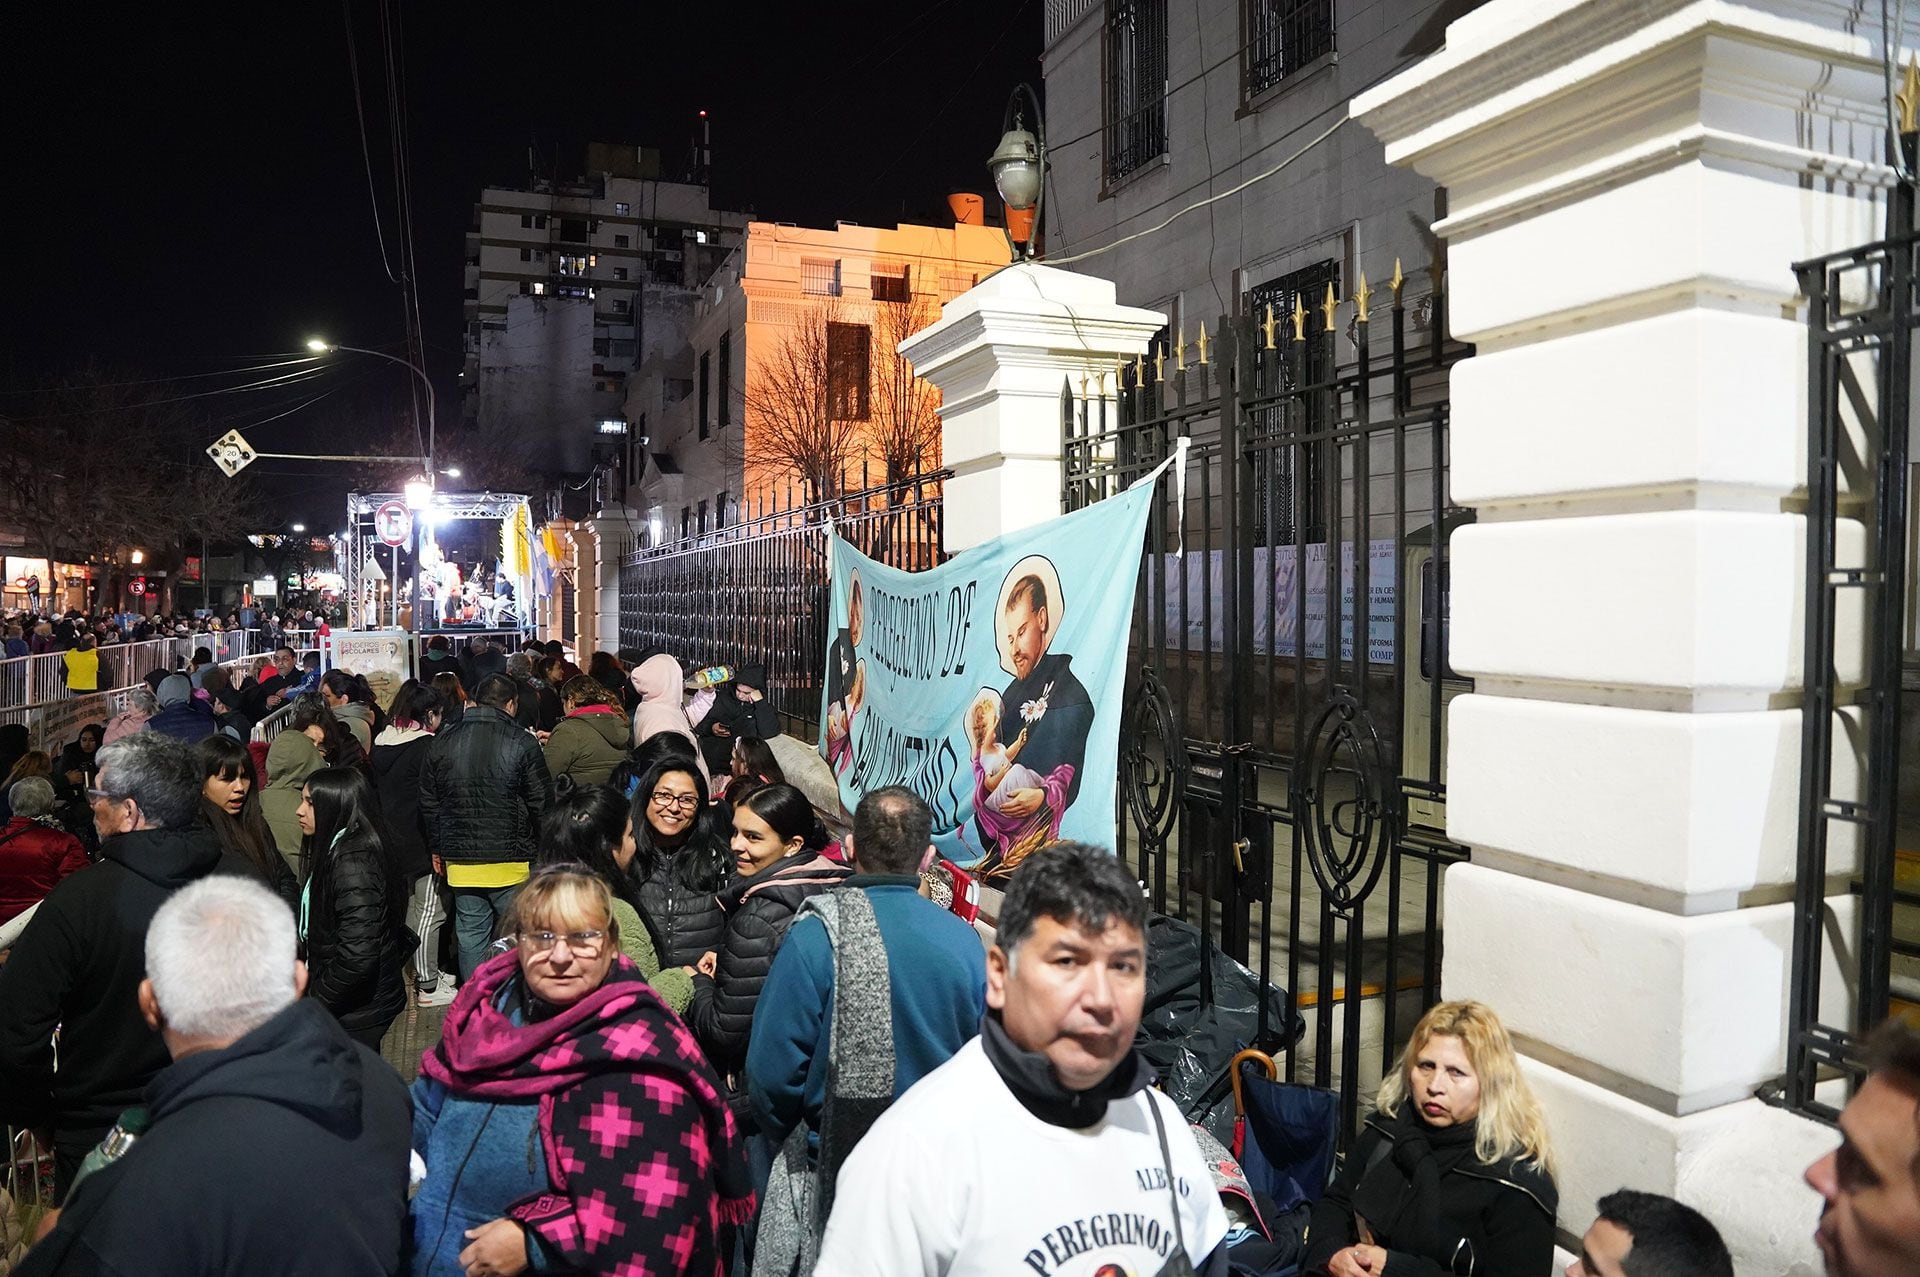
(726, 380)
(539, 288)
(623, 348)
(706, 394)
(720, 510)
(621, 209)
(1289, 491)
(820, 278)
(573, 229)
(703, 514)
(686, 521)
(540, 221)
(571, 264)
(600, 345)
(526, 221)
(623, 241)
(1283, 36)
(1136, 49)
(622, 307)
(893, 287)
(525, 288)
(619, 272)
(848, 353)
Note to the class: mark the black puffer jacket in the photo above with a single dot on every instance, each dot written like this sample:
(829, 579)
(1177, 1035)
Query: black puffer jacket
(355, 917)
(483, 789)
(1435, 1207)
(399, 758)
(690, 921)
(759, 910)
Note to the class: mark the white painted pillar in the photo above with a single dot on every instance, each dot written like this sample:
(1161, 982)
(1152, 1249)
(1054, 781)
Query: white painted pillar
(601, 543)
(1628, 185)
(999, 357)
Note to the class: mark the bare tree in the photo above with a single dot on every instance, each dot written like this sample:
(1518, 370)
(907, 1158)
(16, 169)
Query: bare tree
(905, 432)
(803, 415)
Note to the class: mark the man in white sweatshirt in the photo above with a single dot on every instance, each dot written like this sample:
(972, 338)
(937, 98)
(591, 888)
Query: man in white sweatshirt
(1039, 1148)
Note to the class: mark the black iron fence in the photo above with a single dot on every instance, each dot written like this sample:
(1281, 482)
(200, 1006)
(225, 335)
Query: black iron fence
(1862, 310)
(1283, 752)
(756, 590)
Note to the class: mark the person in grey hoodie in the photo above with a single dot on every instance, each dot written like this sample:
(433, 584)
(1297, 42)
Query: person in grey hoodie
(592, 738)
(351, 701)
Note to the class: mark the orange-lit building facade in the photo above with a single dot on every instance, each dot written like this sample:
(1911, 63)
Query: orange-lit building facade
(795, 315)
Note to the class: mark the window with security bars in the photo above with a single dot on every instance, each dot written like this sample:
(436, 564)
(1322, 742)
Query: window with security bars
(893, 286)
(1290, 500)
(1136, 98)
(1283, 36)
(849, 371)
(820, 278)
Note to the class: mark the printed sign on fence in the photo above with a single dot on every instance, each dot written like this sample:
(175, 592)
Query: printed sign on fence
(1194, 593)
(383, 657)
(991, 685)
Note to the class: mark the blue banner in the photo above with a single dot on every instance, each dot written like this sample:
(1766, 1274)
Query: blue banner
(991, 685)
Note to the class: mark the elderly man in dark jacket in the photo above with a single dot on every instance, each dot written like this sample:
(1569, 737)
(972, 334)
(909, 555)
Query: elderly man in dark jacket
(482, 793)
(268, 1110)
(80, 960)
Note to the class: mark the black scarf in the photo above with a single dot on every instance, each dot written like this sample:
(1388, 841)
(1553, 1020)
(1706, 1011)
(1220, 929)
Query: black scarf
(1030, 1076)
(1399, 1194)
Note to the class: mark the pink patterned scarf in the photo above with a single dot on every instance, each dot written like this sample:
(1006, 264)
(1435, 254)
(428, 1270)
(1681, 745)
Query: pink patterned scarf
(645, 1158)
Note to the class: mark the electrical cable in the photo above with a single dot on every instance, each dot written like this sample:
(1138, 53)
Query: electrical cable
(185, 376)
(366, 154)
(204, 394)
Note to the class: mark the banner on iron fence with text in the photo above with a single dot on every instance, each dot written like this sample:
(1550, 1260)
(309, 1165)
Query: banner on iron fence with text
(991, 685)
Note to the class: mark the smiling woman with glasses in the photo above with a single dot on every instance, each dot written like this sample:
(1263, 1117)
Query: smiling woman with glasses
(525, 1170)
(680, 859)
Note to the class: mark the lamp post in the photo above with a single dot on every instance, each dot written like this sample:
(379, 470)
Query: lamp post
(1019, 168)
(320, 347)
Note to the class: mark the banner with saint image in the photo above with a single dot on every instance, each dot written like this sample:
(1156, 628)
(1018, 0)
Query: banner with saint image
(991, 685)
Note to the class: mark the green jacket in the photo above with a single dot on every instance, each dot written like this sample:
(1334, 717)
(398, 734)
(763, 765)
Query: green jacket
(674, 985)
(588, 744)
(290, 760)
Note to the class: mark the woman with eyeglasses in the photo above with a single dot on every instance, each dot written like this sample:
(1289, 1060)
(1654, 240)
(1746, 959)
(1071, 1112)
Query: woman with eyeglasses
(567, 1118)
(352, 906)
(594, 827)
(680, 858)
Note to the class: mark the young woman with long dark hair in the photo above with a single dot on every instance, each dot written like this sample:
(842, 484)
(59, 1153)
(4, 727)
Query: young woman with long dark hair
(680, 858)
(399, 757)
(351, 700)
(352, 905)
(777, 841)
(593, 827)
(230, 803)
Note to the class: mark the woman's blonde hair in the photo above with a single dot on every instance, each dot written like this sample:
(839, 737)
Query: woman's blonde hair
(564, 896)
(1511, 1122)
(576, 692)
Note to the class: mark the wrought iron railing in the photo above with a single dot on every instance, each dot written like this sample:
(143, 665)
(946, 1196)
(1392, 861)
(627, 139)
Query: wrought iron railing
(1282, 37)
(1281, 759)
(756, 591)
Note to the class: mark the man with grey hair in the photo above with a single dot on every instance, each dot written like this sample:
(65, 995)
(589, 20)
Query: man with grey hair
(80, 961)
(301, 1135)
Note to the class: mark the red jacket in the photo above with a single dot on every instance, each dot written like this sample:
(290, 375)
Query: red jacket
(33, 857)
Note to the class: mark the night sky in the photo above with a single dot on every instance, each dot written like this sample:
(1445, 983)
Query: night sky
(186, 190)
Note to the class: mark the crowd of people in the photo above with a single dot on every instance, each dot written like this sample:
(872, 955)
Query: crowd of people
(79, 638)
(697, 1020)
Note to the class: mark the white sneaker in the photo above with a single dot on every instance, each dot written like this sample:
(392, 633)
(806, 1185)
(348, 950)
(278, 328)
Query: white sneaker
(439, 995)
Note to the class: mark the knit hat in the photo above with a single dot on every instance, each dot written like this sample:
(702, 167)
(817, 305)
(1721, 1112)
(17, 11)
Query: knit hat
(174, 689)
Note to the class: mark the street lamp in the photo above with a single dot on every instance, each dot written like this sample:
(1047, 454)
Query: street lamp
(452, 472)
(319, 346)
(1019, 168)
(419, 492)
(298, 527)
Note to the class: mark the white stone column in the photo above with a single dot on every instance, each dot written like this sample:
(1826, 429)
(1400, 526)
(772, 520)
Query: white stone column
(1628, 186)
(999, 357)
(600, 544)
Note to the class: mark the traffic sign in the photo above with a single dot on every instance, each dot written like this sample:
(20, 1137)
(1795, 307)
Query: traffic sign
(232, 453)
(394, 523)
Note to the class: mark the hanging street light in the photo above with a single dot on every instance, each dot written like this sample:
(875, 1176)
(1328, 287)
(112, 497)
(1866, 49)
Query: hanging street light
(1019, 168)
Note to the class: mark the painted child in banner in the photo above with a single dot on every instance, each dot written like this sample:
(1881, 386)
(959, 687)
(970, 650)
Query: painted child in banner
(1057, 715)
(846, 681)
(1000, 771)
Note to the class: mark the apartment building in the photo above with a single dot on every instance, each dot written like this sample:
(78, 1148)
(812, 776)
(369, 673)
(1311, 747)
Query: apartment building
(787, 385)
(569, 283)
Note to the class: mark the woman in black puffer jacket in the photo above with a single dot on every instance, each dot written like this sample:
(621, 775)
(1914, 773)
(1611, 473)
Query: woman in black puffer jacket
(1453, 1173)
(777, 841)
(352, 907)
(680, 858)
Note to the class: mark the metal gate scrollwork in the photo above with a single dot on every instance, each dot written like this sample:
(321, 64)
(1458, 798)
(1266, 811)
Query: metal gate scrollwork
(1347, 812)
(1153, 762)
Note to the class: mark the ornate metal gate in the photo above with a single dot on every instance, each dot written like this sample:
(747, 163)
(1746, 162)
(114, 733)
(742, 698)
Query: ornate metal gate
(1283, 747)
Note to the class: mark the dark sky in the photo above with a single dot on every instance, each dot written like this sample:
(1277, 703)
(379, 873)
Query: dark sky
(186, 192)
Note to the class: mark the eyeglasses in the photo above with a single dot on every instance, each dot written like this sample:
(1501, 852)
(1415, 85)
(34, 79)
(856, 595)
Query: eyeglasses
(582, 944)
(685, 802)
(100, 796)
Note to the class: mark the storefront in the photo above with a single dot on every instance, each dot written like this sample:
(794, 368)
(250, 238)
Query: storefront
(64, 586)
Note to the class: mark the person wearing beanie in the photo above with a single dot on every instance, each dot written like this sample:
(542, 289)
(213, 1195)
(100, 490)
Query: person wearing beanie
(182, 715)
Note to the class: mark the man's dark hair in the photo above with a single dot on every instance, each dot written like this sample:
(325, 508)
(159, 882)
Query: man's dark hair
(1031, 588)
(497, 691)
(1670, 1239)
(438, 643)
(311, 660)
(1074, 884)
(159, 773)
(291, 654)
(1894, 1047)
(203, 656)
(891, 829)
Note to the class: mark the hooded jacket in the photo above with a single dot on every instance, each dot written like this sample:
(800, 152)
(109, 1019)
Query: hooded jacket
(79, 966)
(759, 910)
(358, 719)
(1433, 1205)
(483, 789)
(182, 715)
(399, 757)
(290, 760)
(662, 687)
(588, 744)
(355, 913)
(283, 1153)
